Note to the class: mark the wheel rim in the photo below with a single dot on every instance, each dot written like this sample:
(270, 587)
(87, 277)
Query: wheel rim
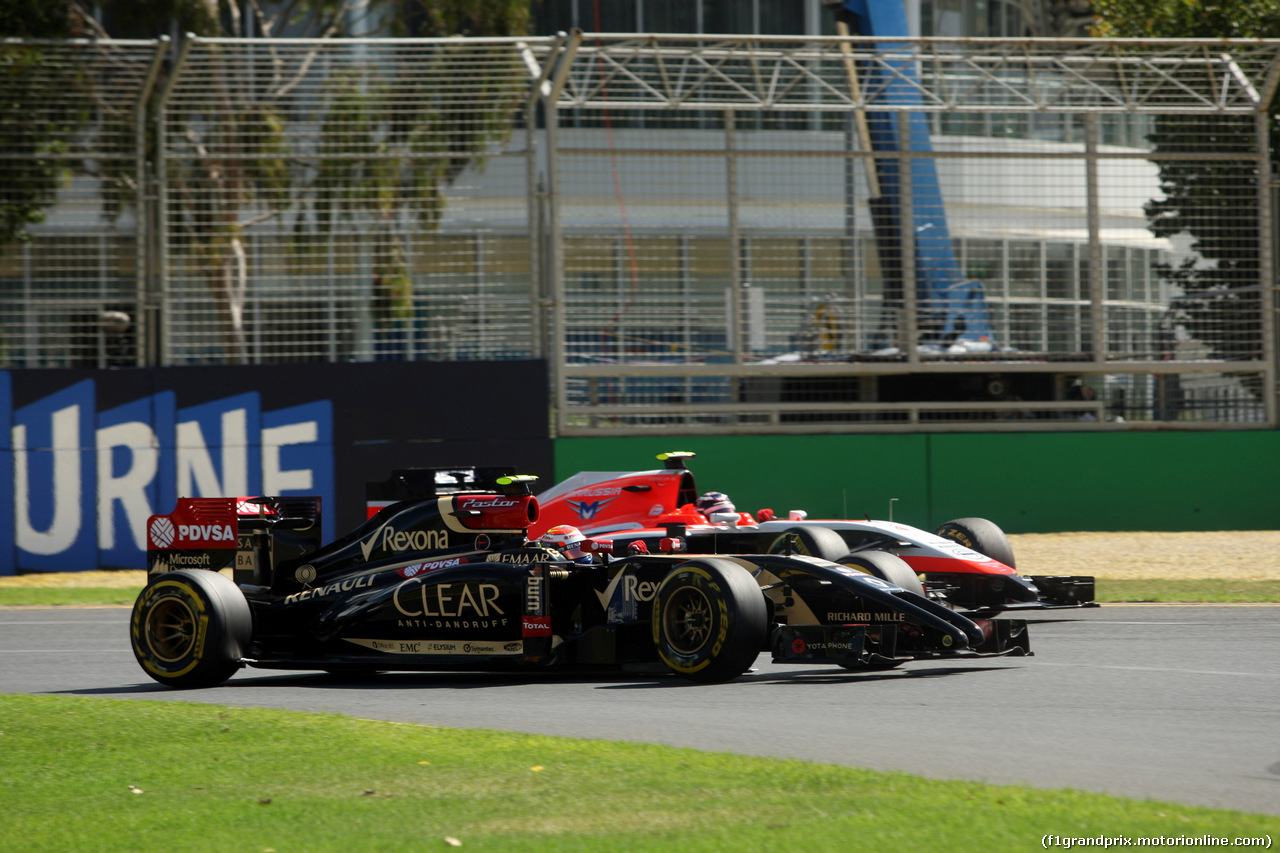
(686, 620)
(171, 629)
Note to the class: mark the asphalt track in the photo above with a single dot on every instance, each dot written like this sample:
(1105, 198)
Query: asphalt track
(1152, 702)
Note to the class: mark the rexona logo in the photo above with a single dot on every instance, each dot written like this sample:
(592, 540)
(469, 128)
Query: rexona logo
(633, 589)
(205, 532)
(390, 539)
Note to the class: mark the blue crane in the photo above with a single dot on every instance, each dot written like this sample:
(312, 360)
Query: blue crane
(952, 309)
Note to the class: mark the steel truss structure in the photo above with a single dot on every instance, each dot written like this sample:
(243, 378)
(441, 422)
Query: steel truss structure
(943, 75)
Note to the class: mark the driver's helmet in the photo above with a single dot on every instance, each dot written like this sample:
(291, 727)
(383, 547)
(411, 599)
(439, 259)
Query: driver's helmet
(714, 502)
(566, 539)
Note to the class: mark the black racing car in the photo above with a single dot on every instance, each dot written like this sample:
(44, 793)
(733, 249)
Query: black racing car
(448, 580)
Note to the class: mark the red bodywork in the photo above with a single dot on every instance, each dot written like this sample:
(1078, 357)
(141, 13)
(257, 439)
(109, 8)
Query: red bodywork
(642, 502)
(626, 500)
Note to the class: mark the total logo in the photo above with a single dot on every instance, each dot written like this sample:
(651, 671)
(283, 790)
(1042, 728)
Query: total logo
(390, 539)
(536, 626)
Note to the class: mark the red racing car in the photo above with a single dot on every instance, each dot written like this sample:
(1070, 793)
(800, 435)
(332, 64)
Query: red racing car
(966, 563)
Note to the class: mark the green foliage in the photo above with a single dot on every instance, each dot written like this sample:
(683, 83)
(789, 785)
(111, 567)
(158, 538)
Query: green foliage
(437, 18)
(37, 125)
(41, 19)
(418, 140)
(1186, 19)
(152, 18)
(1221, 288)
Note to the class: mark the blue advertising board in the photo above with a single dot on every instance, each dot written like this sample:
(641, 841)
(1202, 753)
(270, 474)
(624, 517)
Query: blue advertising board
(93, 454)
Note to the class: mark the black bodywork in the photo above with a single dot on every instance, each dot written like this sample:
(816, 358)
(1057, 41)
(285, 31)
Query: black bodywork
(450, 581)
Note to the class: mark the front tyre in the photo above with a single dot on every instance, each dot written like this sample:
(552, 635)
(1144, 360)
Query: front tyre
(980, 535)
(811, 541)
(709, 620)
(190, 628)
(887, 567)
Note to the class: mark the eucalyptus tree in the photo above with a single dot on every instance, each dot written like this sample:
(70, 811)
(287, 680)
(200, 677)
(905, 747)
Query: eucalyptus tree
(385, 148)
(1220, 283)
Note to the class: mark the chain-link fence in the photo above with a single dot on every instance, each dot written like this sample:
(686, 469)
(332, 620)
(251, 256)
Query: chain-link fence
(72, 172)
(836, 235)
(345, 200)
(721, 234)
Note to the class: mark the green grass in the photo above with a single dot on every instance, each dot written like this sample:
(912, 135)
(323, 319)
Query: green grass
(1189, 591)
(105, 775)
(89, 596)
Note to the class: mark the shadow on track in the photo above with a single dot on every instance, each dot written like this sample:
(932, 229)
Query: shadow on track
(382, 681)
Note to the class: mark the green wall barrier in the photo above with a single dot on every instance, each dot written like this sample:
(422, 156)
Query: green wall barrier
(1026, 483)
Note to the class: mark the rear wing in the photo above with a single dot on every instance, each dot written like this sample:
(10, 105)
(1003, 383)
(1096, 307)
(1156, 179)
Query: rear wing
(219, 533)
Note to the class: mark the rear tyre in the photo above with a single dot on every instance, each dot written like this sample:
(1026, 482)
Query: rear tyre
(886, 566)
(821, 542)
(709, 620)
(190, 628)
(982, 536)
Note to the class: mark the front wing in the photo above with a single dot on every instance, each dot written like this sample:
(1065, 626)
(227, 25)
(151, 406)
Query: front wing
(830, 613)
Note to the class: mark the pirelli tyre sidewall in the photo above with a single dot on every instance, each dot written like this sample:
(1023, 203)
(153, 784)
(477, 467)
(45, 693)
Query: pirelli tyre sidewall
(982, 536)
(810, 540)
(887, 567)
(190, 628)
(709, 620)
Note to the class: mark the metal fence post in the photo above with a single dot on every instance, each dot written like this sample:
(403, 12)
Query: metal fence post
(162, 291)
(910, 330)
(1266, 263)
(563, 60)
(145, 215)
(734, 330)
(1097, 263)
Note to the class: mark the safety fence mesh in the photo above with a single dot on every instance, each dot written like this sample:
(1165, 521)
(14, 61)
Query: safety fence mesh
(323, 201)
(72, 240)
(731, 234)
(994, 235)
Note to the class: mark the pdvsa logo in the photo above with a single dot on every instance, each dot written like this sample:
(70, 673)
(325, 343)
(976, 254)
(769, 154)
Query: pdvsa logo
(162, 532)
(206, 532)
(422, 568)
